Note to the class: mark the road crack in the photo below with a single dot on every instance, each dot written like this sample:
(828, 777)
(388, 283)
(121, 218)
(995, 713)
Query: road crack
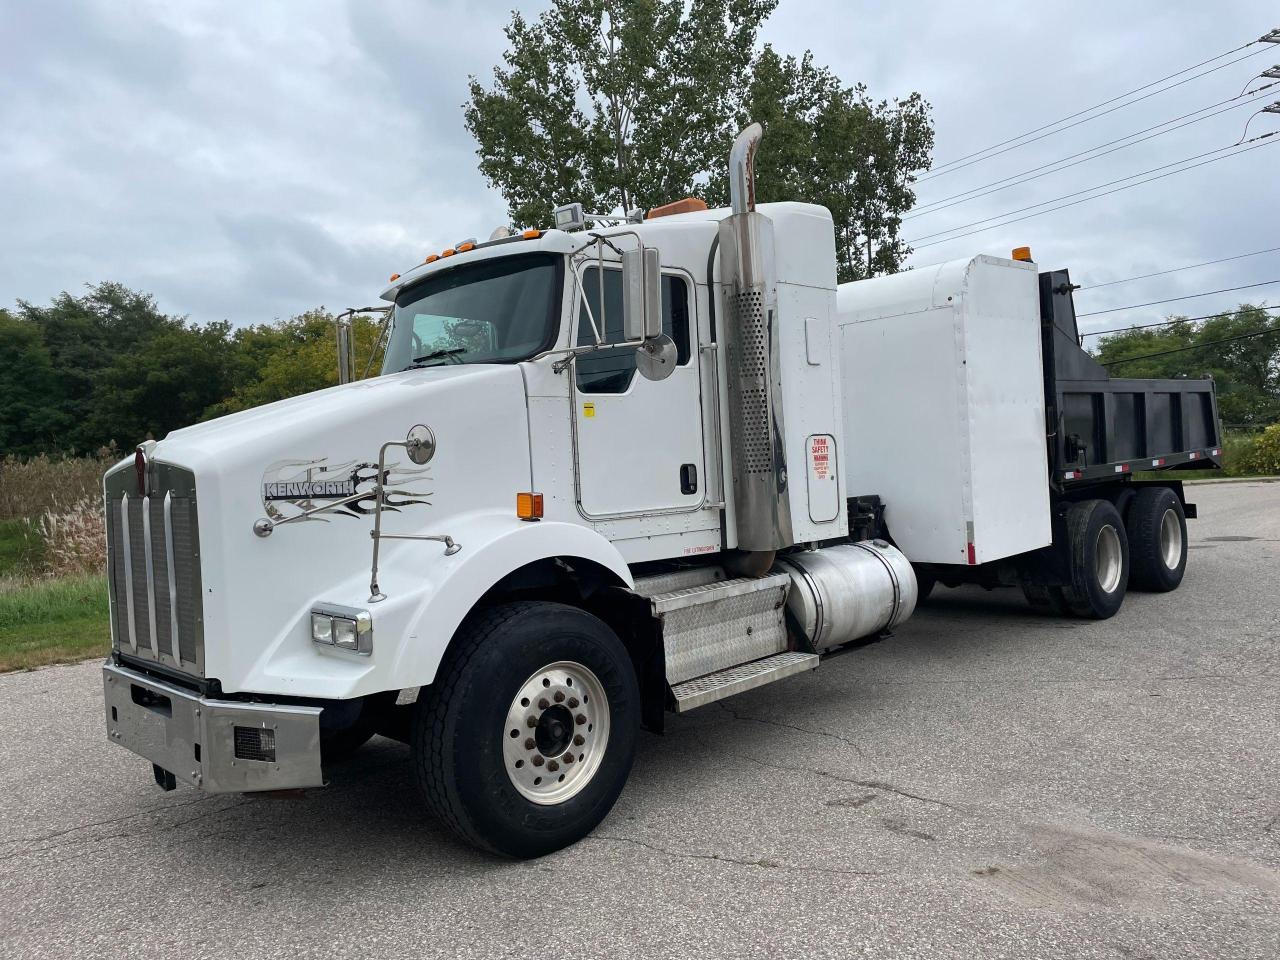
(763, 864)
(857, 748)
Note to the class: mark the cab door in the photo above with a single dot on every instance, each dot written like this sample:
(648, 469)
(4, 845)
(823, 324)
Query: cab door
(638, 443)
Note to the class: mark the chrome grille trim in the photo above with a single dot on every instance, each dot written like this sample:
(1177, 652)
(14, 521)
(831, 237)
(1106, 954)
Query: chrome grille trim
(154, 566)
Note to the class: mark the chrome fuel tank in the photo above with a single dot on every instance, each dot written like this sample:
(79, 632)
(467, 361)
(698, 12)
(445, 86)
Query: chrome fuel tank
(848, 591)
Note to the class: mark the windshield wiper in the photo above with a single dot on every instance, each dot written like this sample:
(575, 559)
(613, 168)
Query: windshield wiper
(450, 355)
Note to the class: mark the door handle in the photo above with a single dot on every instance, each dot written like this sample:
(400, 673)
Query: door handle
(688, 478)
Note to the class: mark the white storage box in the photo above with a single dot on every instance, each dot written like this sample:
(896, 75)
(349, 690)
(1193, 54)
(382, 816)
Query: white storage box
(944, 407)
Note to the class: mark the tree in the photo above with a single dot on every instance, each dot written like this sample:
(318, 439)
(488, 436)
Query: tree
(830, 144)
(284, 359)
(1247, 371)
(622, 103)
(31, 402)
(614, 103)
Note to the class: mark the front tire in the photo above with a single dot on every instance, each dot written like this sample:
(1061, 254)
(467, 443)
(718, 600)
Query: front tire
(500, 755)
(1157, 528)
(1099, 560)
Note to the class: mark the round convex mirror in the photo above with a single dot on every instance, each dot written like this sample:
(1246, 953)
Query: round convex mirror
(656, 358)
(421, 444)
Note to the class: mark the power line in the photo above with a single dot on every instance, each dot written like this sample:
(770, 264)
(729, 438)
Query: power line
(1077, 193)
(1189, 296)
(1169, 323)
(1198, 346)
(1096, 196)
(1190, 266)
(1194, 66)
(1001, 184)
(955, 165)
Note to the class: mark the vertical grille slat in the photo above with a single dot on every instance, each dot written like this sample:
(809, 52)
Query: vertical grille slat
(186, 569)
(119, 583)
(153, 545)
(138, 573)
(160, 576)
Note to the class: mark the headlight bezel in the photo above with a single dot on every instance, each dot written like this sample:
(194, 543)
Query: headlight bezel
(350, 629)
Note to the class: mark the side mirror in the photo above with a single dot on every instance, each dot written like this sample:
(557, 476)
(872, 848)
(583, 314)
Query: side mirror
(641, 294)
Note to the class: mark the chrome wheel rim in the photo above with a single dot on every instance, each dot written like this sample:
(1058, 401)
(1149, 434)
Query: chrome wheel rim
(556, 733)
(1171, 539)
(1107, 557)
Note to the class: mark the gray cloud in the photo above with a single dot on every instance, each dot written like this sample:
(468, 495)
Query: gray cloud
(252, 161)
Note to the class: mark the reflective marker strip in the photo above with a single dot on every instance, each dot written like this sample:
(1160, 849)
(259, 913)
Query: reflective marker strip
(973, 556)
(1215, 453)
(1070, 474)
(1122, 468)
(1195, 456)
(1158, 462)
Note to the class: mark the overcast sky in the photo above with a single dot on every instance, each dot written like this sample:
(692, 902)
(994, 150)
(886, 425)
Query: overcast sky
(252, 160)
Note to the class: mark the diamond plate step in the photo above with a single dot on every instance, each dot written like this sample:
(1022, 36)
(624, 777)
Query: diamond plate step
(718, 625)
(739, 679)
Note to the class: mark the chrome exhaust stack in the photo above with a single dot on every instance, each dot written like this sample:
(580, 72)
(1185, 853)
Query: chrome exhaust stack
(750, 300)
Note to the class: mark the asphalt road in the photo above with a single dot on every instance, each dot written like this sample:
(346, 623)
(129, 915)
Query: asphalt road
(988, 783)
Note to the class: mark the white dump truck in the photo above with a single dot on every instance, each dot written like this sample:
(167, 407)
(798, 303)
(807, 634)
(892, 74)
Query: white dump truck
(621, 467)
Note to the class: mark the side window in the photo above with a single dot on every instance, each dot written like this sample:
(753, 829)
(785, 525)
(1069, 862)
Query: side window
(611, 370)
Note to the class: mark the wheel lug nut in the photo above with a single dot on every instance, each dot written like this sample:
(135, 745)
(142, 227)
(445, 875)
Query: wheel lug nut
(567, 758)
(581, 718)
(553, 766)
(559, 696)
(538, 761)
(573, 702)
(531, 722)
(579, 739)
(529, 743)
(543, 704)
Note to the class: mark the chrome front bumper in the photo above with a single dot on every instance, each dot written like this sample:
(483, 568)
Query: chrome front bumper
(220, 746)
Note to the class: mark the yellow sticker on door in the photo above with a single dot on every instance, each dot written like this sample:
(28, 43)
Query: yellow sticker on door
(588, 409)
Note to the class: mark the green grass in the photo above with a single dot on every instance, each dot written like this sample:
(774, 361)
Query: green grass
(53, 621)
(20, 548)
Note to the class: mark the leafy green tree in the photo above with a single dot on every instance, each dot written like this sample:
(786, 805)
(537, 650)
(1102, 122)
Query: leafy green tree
(615, 103)
(291, 357)
(1247, 370)
(31, 401)
(623, 103)
(830, 144)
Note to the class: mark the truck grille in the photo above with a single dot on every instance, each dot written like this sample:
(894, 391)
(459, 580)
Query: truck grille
(153, 546)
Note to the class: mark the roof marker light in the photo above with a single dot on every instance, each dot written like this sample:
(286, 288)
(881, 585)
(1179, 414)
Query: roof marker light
(531, 234)
(1022, 253)
(393, 278)
(448, 252)
(432, 258)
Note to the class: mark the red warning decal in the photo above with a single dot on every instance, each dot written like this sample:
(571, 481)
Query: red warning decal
(820, 457)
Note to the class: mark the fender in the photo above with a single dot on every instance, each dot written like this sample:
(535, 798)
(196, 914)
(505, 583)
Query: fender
(493, 545)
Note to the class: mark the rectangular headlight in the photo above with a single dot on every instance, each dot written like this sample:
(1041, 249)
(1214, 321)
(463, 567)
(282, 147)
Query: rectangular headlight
(348, 628)
(321, 628)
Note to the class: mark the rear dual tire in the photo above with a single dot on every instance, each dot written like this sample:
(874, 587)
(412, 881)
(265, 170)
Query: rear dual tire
(1157, 527)
(1097, 558)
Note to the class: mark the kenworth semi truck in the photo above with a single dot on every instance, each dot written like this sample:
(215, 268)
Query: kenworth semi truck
(624, 466)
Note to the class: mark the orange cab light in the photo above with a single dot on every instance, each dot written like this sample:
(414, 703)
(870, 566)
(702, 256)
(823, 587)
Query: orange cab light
(448, 252)
(432, 258)
(1022, 253)
(531, 234)
(464, 247)
(687, 205)
(529, 506)
(393, 278)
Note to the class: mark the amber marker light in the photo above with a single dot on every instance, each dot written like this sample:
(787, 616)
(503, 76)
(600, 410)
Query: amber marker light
(529, 506)
(1022, 253)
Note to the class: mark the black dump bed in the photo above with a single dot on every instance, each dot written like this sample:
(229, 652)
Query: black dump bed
(1101, 426)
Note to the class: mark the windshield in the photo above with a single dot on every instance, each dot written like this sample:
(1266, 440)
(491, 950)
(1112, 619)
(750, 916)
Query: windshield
(493, 311)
